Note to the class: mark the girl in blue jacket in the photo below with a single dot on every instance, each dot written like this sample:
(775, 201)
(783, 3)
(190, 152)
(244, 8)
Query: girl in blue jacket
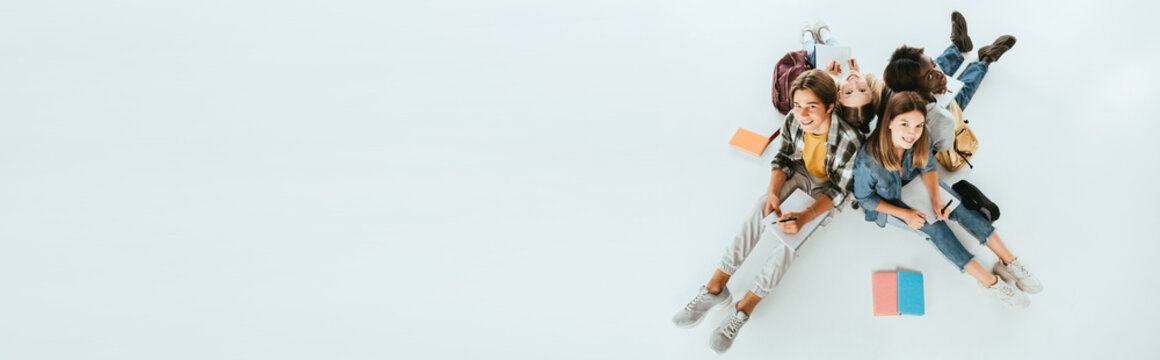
(898, 151)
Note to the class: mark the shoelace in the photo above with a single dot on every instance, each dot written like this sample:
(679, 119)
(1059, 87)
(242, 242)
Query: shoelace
(696, 300)
(730, 330)
(1006, 290)
(1020, 271)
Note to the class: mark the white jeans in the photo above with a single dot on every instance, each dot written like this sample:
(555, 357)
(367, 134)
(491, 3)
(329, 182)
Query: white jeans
(752, 231)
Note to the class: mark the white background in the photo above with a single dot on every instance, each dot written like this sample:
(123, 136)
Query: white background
(524, 179)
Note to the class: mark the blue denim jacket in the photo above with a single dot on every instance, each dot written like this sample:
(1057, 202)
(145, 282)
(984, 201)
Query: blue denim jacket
(874, 184)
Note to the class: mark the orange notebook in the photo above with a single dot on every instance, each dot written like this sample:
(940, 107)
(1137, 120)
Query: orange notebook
(749, 142)
(885, 294)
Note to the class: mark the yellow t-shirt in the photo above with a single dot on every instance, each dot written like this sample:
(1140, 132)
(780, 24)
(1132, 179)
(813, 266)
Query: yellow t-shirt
(814, 154)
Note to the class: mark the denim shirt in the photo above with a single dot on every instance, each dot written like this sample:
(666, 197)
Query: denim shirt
(874, 184)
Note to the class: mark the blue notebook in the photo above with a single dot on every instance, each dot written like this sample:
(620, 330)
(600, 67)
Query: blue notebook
(910, 300)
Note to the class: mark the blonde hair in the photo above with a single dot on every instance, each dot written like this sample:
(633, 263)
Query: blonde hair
(881, 141)
(860, 117)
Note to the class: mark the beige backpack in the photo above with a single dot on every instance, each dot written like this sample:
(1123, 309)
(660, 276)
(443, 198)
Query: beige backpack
(965, 144)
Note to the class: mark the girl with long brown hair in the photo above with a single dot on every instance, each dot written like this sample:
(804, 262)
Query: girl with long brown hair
(897, 152)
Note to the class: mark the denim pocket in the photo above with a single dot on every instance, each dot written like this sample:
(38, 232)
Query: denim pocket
(885, 188)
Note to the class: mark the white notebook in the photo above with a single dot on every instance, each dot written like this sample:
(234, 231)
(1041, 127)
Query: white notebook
(797, 201)
(826, 54)
(954, 86)
(915, 196)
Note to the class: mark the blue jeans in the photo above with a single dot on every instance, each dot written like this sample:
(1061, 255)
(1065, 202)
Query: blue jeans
(950, 60)
(808, 46)
(941, 236)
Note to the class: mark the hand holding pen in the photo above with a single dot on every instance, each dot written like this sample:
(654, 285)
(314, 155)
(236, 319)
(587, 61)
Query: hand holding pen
(789, 222)
(943, 213)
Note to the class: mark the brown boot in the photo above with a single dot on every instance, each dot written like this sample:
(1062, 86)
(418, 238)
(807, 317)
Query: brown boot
(991, 53)
(959, 35)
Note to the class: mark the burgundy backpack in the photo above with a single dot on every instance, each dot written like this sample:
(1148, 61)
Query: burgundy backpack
(791, 65)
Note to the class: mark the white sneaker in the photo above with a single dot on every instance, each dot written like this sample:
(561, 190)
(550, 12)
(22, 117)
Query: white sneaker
(1023, 277)
(722, 337)
(808, 29)
(818, 25)
(695, 311)
(1008, 294)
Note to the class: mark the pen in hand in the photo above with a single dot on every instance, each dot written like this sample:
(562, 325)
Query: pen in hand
(947, 205)
(791, 218)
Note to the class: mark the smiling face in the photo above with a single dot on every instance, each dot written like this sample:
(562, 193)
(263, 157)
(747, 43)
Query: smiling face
(855, 91)
(810, 112)
(906, 129)
(931, 76)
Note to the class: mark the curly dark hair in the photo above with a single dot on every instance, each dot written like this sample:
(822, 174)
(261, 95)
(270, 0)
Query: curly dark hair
(903, 72)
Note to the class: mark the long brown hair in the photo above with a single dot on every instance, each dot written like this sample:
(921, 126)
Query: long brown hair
(818, 82)
(881, 141)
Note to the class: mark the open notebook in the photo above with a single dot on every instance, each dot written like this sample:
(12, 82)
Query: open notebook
(915, 196)
(797, 201)
(954, 86)
(825, 54)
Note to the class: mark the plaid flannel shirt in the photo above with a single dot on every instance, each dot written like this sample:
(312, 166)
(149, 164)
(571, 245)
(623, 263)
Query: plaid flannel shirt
(842, 145)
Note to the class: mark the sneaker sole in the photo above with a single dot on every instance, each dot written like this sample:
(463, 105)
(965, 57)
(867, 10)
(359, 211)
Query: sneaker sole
(968, 45)
(1002, 272)
(1018, 307)
(1008, 43)
(728, 300)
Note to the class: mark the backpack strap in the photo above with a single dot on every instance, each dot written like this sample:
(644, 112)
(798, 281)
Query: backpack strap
(964, 156)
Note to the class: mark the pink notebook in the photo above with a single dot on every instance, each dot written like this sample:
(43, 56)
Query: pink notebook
(885, 294)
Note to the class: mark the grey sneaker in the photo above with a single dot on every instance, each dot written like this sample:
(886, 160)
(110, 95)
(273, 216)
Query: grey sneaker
(818, 25)
(1008, 294)
(1023, 277)
(695, 311)
(807, 28)
(722, 337)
